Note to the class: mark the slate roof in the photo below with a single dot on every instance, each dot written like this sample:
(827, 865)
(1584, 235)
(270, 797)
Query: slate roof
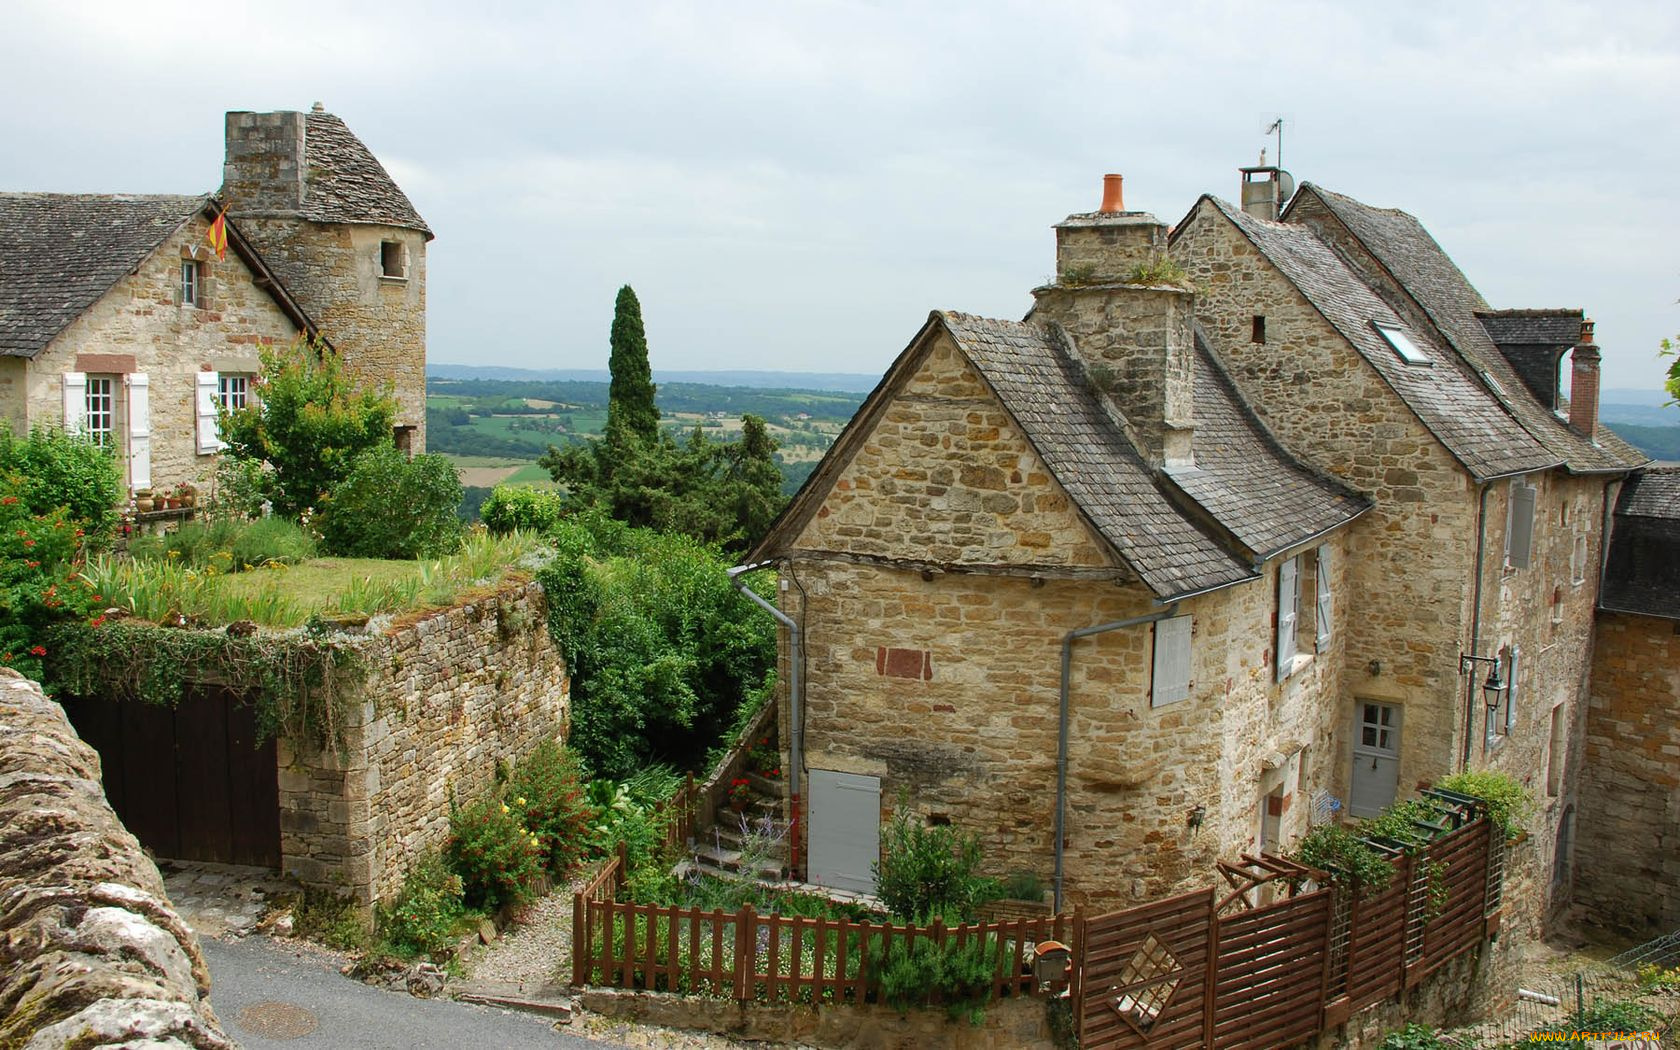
(1258, 498)
(1426, 275)
(1246, 480)
(1642, 571)
(59, 252)
(1559, 328)
(1456, 408)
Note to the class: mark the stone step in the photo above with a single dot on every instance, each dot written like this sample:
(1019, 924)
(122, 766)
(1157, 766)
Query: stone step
(722, 858)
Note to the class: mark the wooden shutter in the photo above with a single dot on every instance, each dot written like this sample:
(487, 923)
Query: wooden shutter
(1289, 599)
(209, 440)
(1519, 533)
(1172, 661)
(139, 430)
(1322, 576)
(75, 402)
(1511, 692)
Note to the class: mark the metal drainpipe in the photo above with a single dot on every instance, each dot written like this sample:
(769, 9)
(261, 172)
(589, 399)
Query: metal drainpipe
(795, 723)
(1062, 727)
(1475, 626)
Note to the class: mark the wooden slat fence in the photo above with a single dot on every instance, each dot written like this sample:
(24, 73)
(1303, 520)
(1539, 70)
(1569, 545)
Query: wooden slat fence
(769, 958)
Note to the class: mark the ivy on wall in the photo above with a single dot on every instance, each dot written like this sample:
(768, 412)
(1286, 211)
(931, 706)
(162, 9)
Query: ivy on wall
(304, 685)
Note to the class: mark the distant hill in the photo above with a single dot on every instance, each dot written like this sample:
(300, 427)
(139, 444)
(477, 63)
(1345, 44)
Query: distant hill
(851, 382)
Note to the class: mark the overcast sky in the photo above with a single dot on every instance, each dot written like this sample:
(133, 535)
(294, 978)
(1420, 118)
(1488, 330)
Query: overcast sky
(795, 185)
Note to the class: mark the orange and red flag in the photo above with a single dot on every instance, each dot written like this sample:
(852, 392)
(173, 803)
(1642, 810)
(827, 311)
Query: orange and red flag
(218, 235)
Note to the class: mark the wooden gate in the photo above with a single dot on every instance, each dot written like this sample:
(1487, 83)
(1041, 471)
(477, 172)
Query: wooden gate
(191, 782)
(1143, 975)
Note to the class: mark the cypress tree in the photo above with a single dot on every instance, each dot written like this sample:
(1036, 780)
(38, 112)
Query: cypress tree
(630, 407)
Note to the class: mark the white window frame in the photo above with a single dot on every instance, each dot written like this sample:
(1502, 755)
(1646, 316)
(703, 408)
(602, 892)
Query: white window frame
(233, 390)
(192, 283)
(99, 414)
(208, 423)
(1170, 677)
(1401, 342)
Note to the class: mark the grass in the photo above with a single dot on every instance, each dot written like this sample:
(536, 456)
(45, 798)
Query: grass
(287, 596)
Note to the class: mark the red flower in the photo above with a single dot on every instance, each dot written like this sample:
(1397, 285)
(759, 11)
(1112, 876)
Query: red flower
(96, 621)
(9, 500)
(37, 650)
(29, 543)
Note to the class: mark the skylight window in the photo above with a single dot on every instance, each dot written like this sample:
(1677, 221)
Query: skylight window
(1401, 341)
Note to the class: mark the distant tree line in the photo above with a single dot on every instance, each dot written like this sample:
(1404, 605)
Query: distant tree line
(500, 396)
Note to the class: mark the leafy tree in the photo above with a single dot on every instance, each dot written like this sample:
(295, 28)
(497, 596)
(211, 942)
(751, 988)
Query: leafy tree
(310, 423)
(631, 412)
(54, 470)
(1669, 347)
(391, 506)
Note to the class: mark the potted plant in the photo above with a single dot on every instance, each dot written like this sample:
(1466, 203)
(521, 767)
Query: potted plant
(143, 502)
(740, 794)
(186, 493)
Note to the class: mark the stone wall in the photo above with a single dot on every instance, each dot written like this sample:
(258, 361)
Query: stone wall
(450, 696)
(1627, 873)
(377, 323)
(92, 953)
(142, 316)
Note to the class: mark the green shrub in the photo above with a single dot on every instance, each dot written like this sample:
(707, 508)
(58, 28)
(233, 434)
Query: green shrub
(959, 974)
(271, 541)
(239, 491)
(520, 508)
(548, 794)
(1416, 1037)
(930, 872)
(427, 913)
(391, 506)
(495, 857)
(1605, 1015)
(1508, 802)
(40, 581)
(326, 918)
(1345, 856)
(227, 544)
(54, 470)
(1399, 821)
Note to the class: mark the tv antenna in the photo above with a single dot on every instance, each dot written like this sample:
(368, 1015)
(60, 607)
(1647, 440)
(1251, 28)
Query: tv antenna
(1277, 129)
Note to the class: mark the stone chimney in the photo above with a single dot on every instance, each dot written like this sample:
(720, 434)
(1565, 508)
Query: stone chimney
(1129, 314)
(264, 170)
(1263, 190)
(1583, 385)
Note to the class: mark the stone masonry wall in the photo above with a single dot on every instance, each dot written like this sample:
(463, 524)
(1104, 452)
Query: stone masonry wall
(971, 736)
(92, 953)
(1411, 562)
(142, 315)
(947, 478)
(450, 696)
(1627, 875)
(377, 323)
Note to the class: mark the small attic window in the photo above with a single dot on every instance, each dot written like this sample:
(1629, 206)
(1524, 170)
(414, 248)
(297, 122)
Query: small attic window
(1401, 341)
(393, 260)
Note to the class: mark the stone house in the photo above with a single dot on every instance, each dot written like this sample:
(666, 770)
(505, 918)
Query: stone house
(1057, 585)
(1361, 344)
(1630, 806)
(117, 317)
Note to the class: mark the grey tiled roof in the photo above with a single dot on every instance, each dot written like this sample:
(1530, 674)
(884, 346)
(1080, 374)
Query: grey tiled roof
(1456, 408)
(1430, 278)
(59, 252)
(1532, 327)
(1642, 571)
(346, 181)
(1044, 389)
(1246, 480)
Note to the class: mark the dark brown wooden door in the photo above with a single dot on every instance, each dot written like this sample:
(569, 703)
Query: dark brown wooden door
(191, 782)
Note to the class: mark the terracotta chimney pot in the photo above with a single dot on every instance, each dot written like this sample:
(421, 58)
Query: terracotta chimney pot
(1112, 201)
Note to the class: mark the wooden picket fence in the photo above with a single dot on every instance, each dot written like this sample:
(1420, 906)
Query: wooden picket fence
(1192, 971)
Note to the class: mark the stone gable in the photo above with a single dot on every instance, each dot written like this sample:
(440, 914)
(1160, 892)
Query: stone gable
(946, 477)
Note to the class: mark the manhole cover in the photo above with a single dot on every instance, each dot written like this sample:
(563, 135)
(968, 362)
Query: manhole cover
(276, 1020)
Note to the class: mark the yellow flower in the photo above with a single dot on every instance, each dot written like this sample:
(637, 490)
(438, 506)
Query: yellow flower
(504, 807)
(519, 801)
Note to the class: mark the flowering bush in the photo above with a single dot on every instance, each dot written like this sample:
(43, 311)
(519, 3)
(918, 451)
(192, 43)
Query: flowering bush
(427, 912)
(493, 853)
(764, 759)
(39, 582)
(547, 793)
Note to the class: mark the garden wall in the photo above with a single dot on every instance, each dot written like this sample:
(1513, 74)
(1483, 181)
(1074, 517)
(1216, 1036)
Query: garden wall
(92, 953)
(448, 698)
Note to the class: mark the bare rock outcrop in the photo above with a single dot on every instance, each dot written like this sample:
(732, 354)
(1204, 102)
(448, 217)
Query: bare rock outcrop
(92, 953)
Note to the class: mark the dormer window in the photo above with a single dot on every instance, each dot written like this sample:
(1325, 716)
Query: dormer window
(1401, 341)
(192, 283)
(393, 260)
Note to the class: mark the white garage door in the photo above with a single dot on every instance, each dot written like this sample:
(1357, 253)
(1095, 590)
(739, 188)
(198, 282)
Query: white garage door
(845, 830)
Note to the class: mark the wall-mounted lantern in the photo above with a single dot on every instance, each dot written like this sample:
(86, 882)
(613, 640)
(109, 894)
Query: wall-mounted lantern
(1196, 818)
(1494, 688)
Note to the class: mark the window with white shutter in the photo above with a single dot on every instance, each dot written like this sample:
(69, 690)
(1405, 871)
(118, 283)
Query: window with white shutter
(1519, 525)
(206, 399)
(1171, 680)
(139, 430)
(1289, 603)
(1511, 690)
(1321, 575)
(75, 402)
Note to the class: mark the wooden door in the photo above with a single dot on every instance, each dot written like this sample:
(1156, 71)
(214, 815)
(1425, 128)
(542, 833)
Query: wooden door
(845, 830)
(1376, 758)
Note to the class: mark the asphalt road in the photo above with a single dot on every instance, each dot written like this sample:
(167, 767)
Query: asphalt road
(268, 996)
